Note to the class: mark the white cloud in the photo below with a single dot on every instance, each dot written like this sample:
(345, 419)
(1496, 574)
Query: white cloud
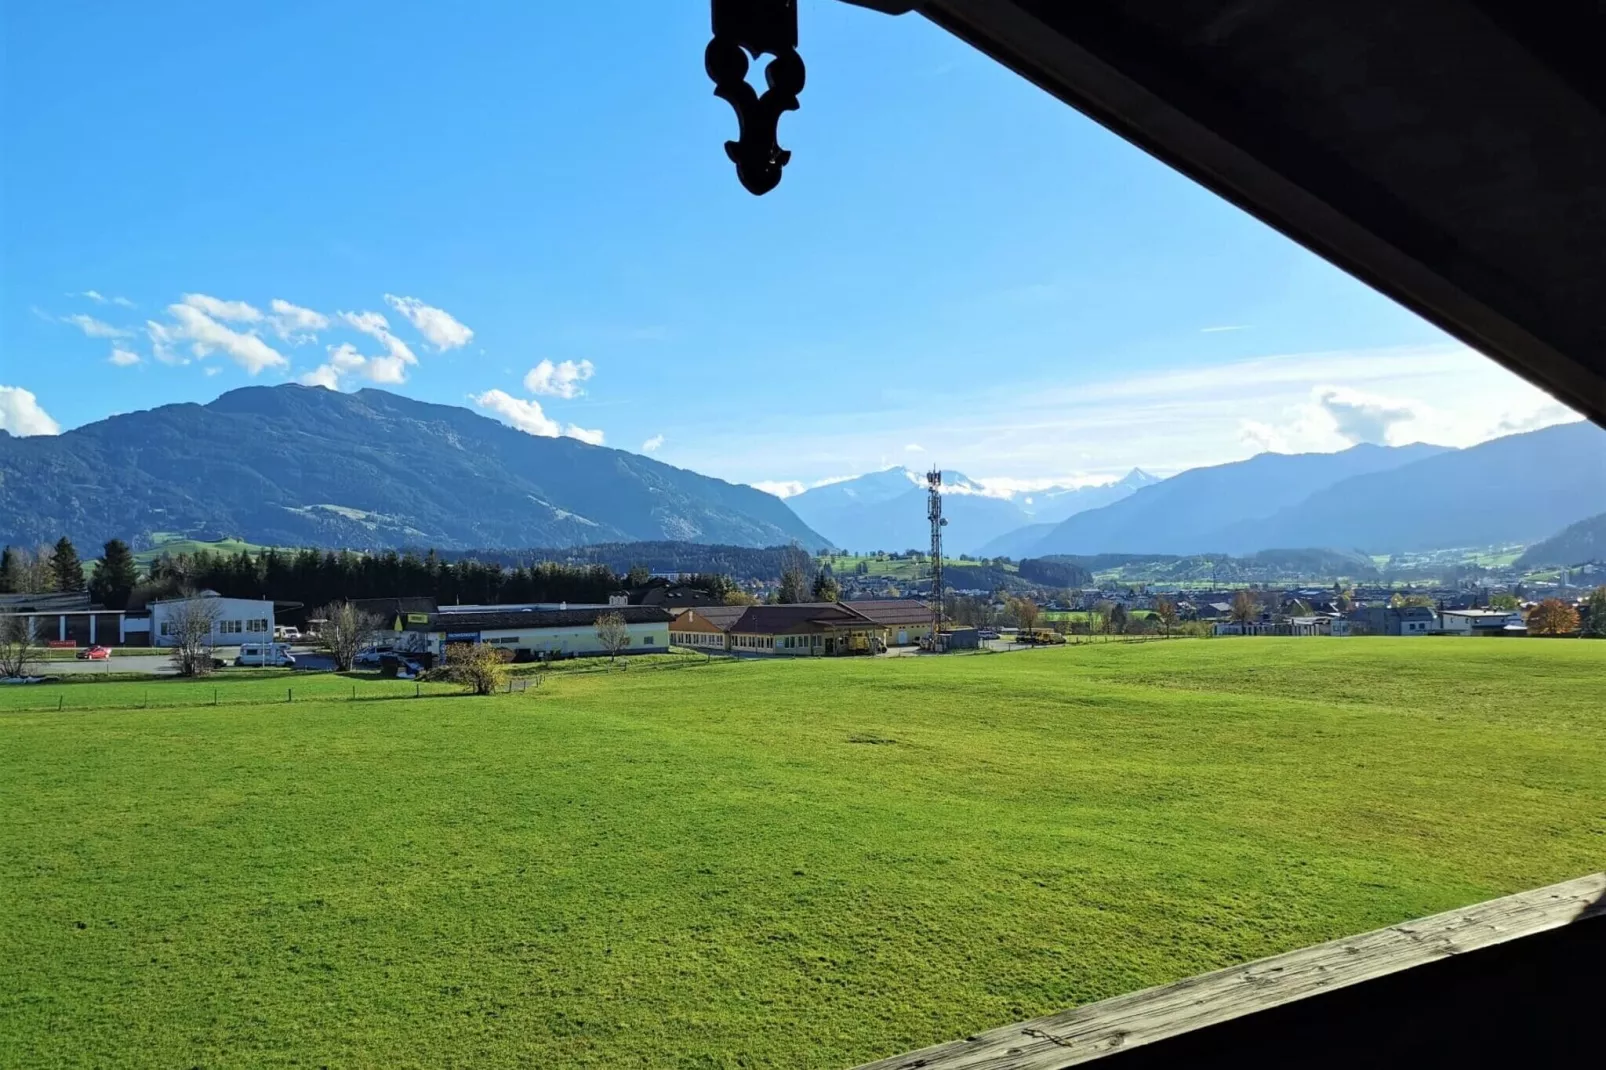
(211, 370)
(95, 328)
(101, 299)
(377, 326)
(439, 327)
(653, 444)
(387, 369)
(524, 415)
(295, 324)
(791, 488)
(1262, 437)
(558, 380)
(206, 336)
(914, 447)
(123, 358)
(1362, 418)
(163, 339)
(345, 362)
(21, 415)
(218, 309)
(324, 375)
(1532, 419)
(1009, 486)
(781, 488)
(1221, 330)
(1079, 424)
(528, 417)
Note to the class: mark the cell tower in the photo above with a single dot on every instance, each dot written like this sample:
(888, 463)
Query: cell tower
(934, 514)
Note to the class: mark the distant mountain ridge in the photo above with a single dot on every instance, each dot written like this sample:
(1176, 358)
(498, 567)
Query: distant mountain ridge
(1576, 544)
(304, 466)
(1184, 514)
(886, 510)
(1373, 498)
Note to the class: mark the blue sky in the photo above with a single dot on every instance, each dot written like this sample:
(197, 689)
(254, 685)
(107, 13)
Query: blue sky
(526, 208)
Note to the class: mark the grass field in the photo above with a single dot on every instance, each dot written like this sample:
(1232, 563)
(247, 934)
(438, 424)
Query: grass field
(906, 569)
(168, 543)
(788, 864)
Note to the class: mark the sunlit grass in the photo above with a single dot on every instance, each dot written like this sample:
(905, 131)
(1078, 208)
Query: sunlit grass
(789, 864)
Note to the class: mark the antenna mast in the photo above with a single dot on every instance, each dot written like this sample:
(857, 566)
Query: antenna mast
(934, 514)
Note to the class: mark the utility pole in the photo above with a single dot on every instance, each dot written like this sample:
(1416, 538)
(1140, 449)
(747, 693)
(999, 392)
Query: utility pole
(934, 514)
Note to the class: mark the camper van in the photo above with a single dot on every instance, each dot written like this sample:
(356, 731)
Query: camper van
(276, 654)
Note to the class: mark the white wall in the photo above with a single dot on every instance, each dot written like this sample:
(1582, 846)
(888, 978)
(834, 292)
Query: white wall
(231, 623)
(644, 639)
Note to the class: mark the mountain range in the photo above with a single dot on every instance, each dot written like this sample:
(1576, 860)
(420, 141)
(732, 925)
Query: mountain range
(304, 466)
(1576, 544)
(1518, 488)
(886, 510)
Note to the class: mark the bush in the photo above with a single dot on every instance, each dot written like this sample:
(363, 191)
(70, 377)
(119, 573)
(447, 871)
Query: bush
(479, 667)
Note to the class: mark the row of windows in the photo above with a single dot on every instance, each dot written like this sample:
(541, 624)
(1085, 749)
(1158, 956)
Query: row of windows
(515, 640)
(747, 642)
(224, 627)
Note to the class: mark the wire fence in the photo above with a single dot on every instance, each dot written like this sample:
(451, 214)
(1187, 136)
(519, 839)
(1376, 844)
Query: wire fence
(279, 688)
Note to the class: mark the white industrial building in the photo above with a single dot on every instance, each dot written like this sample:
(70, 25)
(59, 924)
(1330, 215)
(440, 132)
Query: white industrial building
(234, 620)
(534, 633)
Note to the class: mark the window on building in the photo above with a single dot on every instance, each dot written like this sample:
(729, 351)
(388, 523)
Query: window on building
(230, 627)
(647, 640)
(259, 625)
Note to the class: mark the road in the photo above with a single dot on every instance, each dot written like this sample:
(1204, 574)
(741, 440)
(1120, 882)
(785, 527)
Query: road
(160, 663)
(151, 663)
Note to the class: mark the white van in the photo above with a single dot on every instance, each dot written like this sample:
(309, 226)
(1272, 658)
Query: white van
(287, 633)
(276, 654)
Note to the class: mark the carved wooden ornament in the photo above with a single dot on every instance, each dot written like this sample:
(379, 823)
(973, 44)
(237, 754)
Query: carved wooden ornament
(744, 28)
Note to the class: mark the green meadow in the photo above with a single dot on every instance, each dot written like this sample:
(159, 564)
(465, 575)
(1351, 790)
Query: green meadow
(800, 864)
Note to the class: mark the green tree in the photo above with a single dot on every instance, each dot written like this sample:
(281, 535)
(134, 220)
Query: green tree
(1504, 601)
(825, 588)
(1595, 626)
(115, 575)
(1244, 607)
(10, 571)
(638, 576)
(64, 563)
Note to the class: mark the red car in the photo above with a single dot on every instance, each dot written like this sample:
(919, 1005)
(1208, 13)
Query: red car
(94, 653)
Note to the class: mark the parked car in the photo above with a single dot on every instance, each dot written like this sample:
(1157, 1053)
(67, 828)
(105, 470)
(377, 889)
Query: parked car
(987, 633)
(287, 634)
(371, 658)
(94, 653)
(274, 654)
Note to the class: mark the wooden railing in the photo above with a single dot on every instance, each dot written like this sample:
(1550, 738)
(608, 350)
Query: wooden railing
(1519, 981)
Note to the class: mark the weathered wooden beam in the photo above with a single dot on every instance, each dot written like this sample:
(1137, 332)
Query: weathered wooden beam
(1410, 971)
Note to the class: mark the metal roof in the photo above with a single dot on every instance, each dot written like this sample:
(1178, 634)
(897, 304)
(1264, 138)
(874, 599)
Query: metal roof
(893, 610)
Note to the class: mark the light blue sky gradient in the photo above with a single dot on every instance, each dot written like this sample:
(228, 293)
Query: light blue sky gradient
(954, 261)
